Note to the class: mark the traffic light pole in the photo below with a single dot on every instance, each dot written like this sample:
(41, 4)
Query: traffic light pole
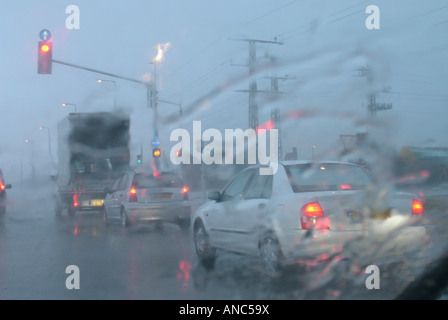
(148, 85)
(149, 89)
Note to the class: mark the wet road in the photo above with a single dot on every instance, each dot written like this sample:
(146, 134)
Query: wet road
(142, 262)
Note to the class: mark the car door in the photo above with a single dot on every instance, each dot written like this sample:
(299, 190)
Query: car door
(109, 201)
(117, 196)
(251, 210)
(221, 217)
(122, 194)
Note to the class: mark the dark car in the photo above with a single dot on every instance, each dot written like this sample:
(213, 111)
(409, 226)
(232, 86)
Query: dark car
(3, 188)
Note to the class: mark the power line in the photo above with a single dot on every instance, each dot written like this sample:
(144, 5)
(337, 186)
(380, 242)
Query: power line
(310, 24)
(253, 91)
(429, 12)
(219, 38)
(268, 13)
(196, 55)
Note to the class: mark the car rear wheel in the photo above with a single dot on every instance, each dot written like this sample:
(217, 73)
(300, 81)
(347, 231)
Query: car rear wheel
(270, 254)
(104, 215)
(124, 218)
(206, 253)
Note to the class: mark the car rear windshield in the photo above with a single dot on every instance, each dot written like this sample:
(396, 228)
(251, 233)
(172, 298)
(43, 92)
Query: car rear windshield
(327, 177)
(163, 180)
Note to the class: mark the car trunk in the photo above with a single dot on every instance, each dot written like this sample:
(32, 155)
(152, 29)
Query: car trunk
(343, 208)
(146, 195)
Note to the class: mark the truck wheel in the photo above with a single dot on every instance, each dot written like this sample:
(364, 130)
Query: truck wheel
(184, 225)
(58, 210)
(71, 212)
(159, 226)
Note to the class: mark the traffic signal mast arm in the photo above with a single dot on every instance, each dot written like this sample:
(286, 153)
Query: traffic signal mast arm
(102, 72)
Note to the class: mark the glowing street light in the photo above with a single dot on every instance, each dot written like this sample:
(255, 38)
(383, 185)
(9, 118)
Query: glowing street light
(115, 90)
(161, 49)
(69, 104)
(49, 139)
(32, 156)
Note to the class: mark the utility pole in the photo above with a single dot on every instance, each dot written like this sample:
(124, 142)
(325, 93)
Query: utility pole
(372, 106)
(275, 112)
(253, 104)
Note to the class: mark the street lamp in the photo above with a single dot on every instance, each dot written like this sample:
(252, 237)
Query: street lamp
(314, 147)
(69, 104)
(49, 143)
(115, 90)
(32, 156)
(154, 100)
(49, 139)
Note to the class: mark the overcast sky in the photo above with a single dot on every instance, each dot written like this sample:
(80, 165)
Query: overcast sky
(323, 43)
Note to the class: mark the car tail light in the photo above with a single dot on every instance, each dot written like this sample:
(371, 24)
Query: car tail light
(313, 217)
(2, 186)
(185, 192)
(133, 195)
(75, 200)
(417, 207)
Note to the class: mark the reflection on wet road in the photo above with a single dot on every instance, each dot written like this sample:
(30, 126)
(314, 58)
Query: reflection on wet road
(143, 262)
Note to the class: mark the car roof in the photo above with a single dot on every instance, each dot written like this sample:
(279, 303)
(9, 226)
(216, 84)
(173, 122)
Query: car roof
(149, 170)
(303, 162)
(295, 162)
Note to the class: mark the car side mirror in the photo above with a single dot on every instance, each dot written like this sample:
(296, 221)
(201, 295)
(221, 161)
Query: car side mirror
(8, 186)
(214, 195)
(107, 190)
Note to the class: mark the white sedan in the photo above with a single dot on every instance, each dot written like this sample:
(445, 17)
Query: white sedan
(305, 210)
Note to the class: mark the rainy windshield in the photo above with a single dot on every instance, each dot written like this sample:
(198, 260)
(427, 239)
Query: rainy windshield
(163, 180)
(306, 141)
(325, 177)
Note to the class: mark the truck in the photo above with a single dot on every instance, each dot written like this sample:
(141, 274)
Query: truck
(93, 150)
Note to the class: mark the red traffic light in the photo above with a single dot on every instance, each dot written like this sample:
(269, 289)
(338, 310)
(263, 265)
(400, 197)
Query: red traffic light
(44, 57)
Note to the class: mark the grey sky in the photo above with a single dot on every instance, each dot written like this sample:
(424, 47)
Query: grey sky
(324, 42)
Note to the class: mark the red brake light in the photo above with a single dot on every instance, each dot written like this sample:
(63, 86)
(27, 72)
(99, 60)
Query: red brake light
(133, 195)
(185, 192)
(313, 209)
(417, 206)
(2, 186)
(313, 217)
(345, 186)
(75, 200)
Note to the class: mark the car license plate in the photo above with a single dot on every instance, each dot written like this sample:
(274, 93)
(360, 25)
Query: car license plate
(355, 216)
(92, 203)
(380, 214)
(162, 196)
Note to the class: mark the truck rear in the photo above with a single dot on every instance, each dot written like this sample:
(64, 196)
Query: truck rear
(93, 149)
